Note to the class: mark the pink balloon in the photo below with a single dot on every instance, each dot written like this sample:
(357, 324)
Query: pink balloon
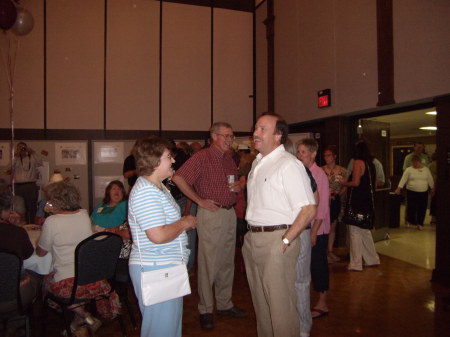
(24, 22)
(8, 14)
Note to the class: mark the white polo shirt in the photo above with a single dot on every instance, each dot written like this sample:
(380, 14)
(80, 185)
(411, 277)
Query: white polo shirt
(278, 187)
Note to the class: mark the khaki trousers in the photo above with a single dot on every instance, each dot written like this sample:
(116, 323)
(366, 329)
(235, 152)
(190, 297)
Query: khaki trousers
(216, 248)
(271, 277)
(361, 248)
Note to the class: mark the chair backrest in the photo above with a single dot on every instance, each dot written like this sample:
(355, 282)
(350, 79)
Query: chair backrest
(10, 271)
(96, 257)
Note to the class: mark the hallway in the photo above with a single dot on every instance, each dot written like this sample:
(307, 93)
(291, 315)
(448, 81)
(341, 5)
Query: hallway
(410, 245)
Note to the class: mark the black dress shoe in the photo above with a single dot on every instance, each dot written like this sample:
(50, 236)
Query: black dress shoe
(206, 321)
(233, 312)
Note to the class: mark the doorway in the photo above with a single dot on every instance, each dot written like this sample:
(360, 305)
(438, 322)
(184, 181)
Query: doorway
(399, 240)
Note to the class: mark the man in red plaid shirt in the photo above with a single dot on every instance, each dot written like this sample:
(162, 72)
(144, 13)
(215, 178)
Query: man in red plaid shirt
(203, 179)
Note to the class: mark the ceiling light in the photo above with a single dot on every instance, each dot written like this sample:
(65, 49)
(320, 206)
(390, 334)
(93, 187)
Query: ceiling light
(431, 113)
(433, 128)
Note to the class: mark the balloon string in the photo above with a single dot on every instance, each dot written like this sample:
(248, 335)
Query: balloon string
(12, 69)
(13, 61)
(9, 63)
(5, 63)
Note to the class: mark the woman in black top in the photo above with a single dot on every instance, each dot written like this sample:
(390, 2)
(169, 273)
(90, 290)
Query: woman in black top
(361, 187)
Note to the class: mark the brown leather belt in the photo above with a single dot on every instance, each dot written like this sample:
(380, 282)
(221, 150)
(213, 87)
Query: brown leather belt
(225, 207)
(260, 229)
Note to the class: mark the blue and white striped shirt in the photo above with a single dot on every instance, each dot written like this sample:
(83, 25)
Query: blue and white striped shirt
(149, 207)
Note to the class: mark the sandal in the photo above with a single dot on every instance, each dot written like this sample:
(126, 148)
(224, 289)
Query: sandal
(316, 313)
(333, 257)
(92, 322)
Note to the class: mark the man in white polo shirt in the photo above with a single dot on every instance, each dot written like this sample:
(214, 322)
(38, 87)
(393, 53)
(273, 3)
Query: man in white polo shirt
(280, 205)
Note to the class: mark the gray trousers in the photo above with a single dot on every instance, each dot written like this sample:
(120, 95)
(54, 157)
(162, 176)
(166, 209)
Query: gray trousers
(302, 282)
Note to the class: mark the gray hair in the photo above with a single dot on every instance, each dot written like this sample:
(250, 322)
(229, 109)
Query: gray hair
(309, 143)
(216, 126)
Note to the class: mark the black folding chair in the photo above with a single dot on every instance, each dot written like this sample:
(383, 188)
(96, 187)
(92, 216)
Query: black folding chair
(11, 306)
(95, 260)
(122, 282)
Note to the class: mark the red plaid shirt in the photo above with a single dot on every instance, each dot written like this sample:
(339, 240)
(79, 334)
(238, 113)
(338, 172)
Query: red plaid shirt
(207, 172)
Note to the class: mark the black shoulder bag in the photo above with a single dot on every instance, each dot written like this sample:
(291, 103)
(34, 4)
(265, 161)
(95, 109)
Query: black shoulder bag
(359, 219)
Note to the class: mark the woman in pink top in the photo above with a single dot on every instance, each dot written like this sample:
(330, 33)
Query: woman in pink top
(306, 153)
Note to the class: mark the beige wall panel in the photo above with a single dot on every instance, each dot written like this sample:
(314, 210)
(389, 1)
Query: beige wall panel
(421, 49)
(356, 56)
(317, 53)
(186, 67)
(321, 45)
(233, 68)
(287, 59)
(261, 60)
(28, 83)
(75, 42)
(132, 96)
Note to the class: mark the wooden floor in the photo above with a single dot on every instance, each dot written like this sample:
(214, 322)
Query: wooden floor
(393, 300)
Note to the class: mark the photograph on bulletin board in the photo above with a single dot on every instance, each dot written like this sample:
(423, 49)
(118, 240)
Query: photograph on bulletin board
(70, 153)
(108, 152)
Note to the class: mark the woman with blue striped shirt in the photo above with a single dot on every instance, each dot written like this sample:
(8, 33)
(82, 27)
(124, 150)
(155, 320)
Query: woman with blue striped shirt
(156, 224)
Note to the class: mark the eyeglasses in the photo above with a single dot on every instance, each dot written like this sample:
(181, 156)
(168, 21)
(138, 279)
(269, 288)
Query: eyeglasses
(231, 137)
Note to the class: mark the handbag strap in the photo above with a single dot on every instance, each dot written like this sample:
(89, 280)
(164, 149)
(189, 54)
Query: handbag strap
(370, 185)
(350, 197)
(140, 255)
(139, 249)
(371, 189)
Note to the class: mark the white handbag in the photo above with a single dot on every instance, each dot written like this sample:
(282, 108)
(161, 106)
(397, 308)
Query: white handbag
(164, 284)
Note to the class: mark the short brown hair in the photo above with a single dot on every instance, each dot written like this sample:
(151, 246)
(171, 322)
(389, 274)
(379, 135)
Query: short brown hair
(331, 148)
(147, 154)
(119, 184)
(64, 196)
(415, 157)
(281, 127)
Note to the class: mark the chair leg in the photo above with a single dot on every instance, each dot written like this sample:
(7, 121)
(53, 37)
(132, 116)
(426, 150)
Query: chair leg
(123, 293)
(27, 326)
(122, 326)
(66, 316)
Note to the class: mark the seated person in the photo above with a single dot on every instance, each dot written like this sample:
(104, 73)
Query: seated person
(17, 213)
(61, 233)
(14, 239)
(43, 211)
(111, 215)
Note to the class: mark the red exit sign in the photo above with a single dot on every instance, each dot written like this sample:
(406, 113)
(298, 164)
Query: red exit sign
(324, 98)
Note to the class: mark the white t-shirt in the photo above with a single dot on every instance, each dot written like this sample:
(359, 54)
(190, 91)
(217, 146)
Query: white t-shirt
(417, 180)
(278, 187)
(26, 169)
(61, 233)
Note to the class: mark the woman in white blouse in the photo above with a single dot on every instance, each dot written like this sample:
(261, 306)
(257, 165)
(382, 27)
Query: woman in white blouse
(418, 181)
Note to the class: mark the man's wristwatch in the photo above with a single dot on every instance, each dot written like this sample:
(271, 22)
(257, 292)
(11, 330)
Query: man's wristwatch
(286, 241)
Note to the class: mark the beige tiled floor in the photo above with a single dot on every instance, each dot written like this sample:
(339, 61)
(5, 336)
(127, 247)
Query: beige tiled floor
(410, 245)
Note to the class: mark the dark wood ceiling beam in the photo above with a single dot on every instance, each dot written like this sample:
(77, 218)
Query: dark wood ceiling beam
(239, 5)
(385, 51)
